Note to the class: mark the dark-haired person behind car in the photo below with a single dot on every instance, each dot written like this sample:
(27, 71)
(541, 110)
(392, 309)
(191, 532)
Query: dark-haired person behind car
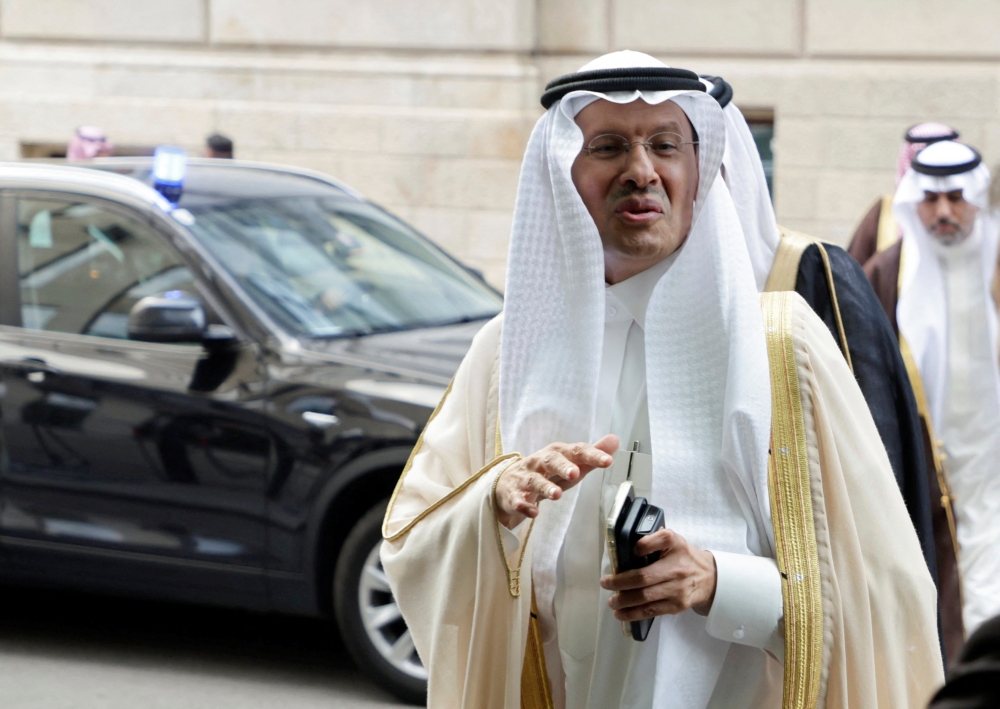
(218, 146)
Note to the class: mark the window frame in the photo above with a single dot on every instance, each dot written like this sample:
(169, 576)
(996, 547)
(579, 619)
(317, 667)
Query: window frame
(10, 279)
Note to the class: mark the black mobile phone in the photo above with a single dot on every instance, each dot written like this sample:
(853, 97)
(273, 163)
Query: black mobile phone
(631, 519)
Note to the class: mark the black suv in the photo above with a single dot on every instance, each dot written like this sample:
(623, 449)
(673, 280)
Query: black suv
(212, 401)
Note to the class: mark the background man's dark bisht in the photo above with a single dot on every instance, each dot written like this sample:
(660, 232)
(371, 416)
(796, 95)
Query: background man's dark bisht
(883, 272)
(873, 350)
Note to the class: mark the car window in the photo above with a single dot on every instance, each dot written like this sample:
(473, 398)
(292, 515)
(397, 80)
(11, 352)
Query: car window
(338, 267)
(83, 266)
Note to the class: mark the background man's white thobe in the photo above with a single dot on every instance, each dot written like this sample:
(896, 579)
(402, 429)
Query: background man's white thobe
(971, 430)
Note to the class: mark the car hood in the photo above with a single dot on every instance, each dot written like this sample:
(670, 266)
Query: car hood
(431, 354)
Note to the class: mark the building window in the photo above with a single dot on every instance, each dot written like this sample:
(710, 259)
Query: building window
(761, 123)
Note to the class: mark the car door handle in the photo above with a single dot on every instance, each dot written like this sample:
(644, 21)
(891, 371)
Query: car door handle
(37, 368)
(31, 364)
(320, 420)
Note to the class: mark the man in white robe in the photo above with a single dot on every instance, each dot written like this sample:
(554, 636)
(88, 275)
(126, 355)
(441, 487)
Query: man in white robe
(942, 276)
(632, 315)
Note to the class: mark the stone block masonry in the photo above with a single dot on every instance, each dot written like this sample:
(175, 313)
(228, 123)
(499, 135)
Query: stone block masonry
(425, 106)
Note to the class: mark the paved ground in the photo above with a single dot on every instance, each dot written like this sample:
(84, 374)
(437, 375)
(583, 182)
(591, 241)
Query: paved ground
(63, 650)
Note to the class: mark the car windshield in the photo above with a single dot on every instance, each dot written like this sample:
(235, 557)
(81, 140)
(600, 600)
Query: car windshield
(338, 267)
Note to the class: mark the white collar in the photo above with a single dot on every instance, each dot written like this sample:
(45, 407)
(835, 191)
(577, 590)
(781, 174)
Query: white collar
(633, 293)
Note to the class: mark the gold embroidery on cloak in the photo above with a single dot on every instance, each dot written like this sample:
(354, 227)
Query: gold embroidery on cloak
(535, 690)
(792, 512)
(785, 273)
(409, 463)
(888, 232)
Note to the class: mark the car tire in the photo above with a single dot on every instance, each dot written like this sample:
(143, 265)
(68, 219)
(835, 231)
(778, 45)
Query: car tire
(371, 626)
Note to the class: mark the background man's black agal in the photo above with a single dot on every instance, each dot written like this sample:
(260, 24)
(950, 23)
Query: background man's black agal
(880, 372)
(721, 91)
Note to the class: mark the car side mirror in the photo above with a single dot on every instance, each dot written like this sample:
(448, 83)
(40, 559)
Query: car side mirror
(478, 273)
(169, 318)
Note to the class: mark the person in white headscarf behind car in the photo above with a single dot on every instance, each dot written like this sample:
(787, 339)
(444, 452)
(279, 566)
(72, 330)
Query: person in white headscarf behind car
(87, 143)
(634, 350)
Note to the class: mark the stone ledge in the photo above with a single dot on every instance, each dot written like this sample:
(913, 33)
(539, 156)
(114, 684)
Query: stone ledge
(121, 20)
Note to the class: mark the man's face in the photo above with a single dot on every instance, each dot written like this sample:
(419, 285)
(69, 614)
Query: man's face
(642, 200)
(947, 216)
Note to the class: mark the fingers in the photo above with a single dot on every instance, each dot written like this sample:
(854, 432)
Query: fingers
(677, 590)
(649, 610)
(684, 578)
(640, 578)
(550, 471)
(584, 456)
(553, 464)
(663, 541)
(609, 444)
(541, 487)
(524, 490)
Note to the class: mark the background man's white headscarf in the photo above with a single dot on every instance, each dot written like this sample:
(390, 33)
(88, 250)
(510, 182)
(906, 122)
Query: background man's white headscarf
(922, 311)
(88, 143)
(916, 139)
(706, 362)
(744, 174)
(748, 187)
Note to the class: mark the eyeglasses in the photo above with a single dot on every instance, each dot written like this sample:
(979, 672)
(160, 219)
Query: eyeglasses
(662, 145)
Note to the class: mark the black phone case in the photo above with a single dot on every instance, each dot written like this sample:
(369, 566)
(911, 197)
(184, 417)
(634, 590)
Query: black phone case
(636, 520)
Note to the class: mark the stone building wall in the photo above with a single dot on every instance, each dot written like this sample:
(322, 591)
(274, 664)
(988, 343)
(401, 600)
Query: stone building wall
(425, 105)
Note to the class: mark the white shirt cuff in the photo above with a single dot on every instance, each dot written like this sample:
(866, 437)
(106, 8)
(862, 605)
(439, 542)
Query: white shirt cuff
(748, 608)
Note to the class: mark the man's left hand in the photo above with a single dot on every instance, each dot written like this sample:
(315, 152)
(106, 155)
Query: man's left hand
(684, 577)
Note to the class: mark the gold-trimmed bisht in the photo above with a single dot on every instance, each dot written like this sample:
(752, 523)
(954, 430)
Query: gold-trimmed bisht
(792, 512)
(785, 271)
(535, 690)
(458, 490)
(888, 232)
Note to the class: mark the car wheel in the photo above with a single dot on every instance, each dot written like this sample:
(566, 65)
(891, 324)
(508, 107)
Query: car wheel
(371, 623)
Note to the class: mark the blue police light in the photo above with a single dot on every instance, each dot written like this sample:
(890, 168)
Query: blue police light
(169, 166)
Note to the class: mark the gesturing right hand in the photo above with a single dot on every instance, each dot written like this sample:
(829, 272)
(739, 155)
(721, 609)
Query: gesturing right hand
(545, 474)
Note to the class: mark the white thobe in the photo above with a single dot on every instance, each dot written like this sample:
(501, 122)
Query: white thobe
(591, 664)
(971, 432)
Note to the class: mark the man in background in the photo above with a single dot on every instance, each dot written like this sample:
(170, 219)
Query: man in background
(218, 146)
(935, 286)
(87, 143)
(877, 230)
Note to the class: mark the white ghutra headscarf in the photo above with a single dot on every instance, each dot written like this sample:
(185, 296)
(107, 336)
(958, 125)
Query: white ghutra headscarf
(706, 362)
(922, 311)
(748, 187)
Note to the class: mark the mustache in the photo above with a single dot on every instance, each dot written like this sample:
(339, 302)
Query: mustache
(944, 221)
(630, 190)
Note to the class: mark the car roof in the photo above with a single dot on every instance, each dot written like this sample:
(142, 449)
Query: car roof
(62, 177)
(207, 181)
